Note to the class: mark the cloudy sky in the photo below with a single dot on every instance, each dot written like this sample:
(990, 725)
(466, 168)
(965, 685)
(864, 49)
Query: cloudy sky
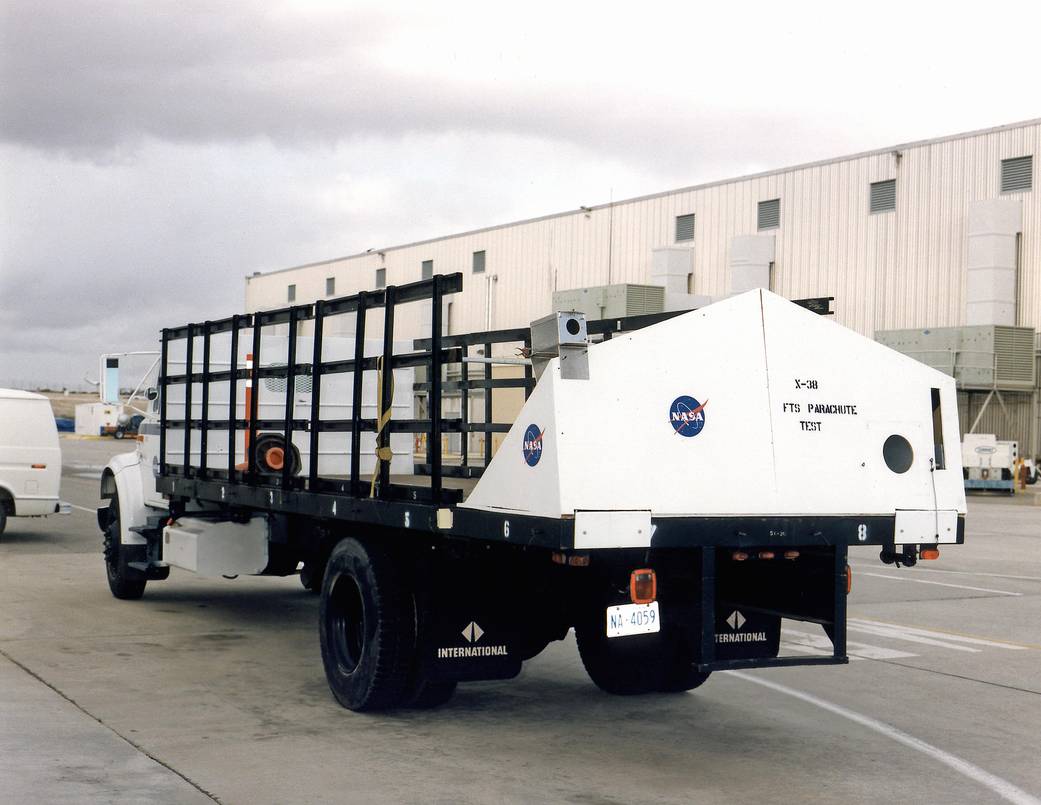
(154, 153)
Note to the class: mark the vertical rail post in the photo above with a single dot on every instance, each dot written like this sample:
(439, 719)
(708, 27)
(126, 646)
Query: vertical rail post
(189, 360)
(487, 404)
(464, 406)
(254, 398)
(357, 388)
(316, 394)
(435, 390)
(164, 352)
(233, 387)
(287, 423)
(204, 423)
(708, 604)
(839, 621)
(386, 386)
(528, 374)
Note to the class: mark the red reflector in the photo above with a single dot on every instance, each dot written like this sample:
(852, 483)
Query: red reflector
(559, 559)
(739, 556)
(791, 554)
(766, 554)
(849, 579)
(579, 561)
(929, 553)
(643, 586)
(39, 466)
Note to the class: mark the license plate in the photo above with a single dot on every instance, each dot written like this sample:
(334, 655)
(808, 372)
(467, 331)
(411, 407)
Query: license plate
(629, 619)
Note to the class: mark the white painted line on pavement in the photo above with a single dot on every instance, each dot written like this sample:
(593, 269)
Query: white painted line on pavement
(938, 583)
(998, 785)
(84, 509)
(854, 649)
(958, 638)
(920, 569)
(881, 631)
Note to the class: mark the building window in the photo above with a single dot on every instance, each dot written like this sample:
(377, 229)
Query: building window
(769, 214)
(1017, 175)
(883, 196)
(381, 278)
(479, 262)
(330, 286)
(684, 227)
(291, 293)
(428, 269)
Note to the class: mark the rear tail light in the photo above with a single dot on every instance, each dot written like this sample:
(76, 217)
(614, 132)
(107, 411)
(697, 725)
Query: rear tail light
(766, 554)
(643, 586)
(930, 553)
(791, 554)
(739, 556)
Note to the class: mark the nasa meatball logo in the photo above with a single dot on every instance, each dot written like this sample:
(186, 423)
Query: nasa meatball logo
(687, 415)
(532, 445)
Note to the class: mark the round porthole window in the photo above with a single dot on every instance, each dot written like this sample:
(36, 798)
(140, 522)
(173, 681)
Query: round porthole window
(898, 454)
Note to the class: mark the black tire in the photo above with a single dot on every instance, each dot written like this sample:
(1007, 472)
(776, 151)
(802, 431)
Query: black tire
(119, 434)
(367, 628)
(662, 662)
(626, 666)
(265, 442)
(125, 583)
(3, 515)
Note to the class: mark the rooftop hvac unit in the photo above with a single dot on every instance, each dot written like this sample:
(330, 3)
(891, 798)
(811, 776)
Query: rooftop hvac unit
(611, 301)
(979, 357)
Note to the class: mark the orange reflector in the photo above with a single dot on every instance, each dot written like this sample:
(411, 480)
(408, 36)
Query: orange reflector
(929, 553)
(849, 579)
(791, 554)
(275, 458)
(579, 561)
(766, 554)
(39, 466)
(643, 586)
(559, 558)
(739, 556)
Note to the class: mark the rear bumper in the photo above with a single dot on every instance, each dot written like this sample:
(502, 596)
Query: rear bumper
(35, 507)
(747, 532)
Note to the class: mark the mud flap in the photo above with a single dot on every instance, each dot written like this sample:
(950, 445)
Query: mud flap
(468, 640)
(742, 634)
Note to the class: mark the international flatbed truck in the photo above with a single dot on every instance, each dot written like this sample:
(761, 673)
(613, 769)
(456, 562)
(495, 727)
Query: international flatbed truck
(672, 488)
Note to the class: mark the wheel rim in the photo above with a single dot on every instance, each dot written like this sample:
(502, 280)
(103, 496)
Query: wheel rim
(347, 621)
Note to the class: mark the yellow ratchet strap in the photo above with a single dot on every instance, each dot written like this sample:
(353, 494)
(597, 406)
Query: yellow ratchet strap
(382, 453)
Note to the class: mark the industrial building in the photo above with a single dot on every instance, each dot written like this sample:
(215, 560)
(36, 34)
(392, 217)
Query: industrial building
(941, 233)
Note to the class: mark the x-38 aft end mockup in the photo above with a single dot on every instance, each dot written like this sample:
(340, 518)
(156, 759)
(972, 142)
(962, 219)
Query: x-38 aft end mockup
(673, 487)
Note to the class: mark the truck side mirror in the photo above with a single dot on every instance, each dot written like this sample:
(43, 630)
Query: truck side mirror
(152, 393)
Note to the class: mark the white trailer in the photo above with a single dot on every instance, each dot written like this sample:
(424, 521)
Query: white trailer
(673, 487)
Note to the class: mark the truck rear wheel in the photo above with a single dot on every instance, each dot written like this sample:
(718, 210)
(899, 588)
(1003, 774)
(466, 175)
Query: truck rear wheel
(628, 666)
(125, 582)
(367, 628)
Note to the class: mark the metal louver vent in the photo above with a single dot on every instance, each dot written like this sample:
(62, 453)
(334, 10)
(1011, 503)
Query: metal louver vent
(883, 196)
(278, 384)
(769, 214)
(1017, 174)
(643, 299)
(1014, 355)
(684, 227)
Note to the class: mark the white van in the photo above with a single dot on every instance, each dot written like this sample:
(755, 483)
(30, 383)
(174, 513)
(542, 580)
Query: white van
(30, 458)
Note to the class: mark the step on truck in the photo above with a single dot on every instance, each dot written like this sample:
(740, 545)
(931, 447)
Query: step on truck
(671, 487)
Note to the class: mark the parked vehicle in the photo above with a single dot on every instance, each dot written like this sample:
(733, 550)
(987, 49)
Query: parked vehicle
(30, 458)
(617, 504)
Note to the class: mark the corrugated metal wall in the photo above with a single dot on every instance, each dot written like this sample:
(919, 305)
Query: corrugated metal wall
(887, 270)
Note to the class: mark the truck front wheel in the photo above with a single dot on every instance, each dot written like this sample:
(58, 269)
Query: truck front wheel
(367, 628)
(125, 582)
